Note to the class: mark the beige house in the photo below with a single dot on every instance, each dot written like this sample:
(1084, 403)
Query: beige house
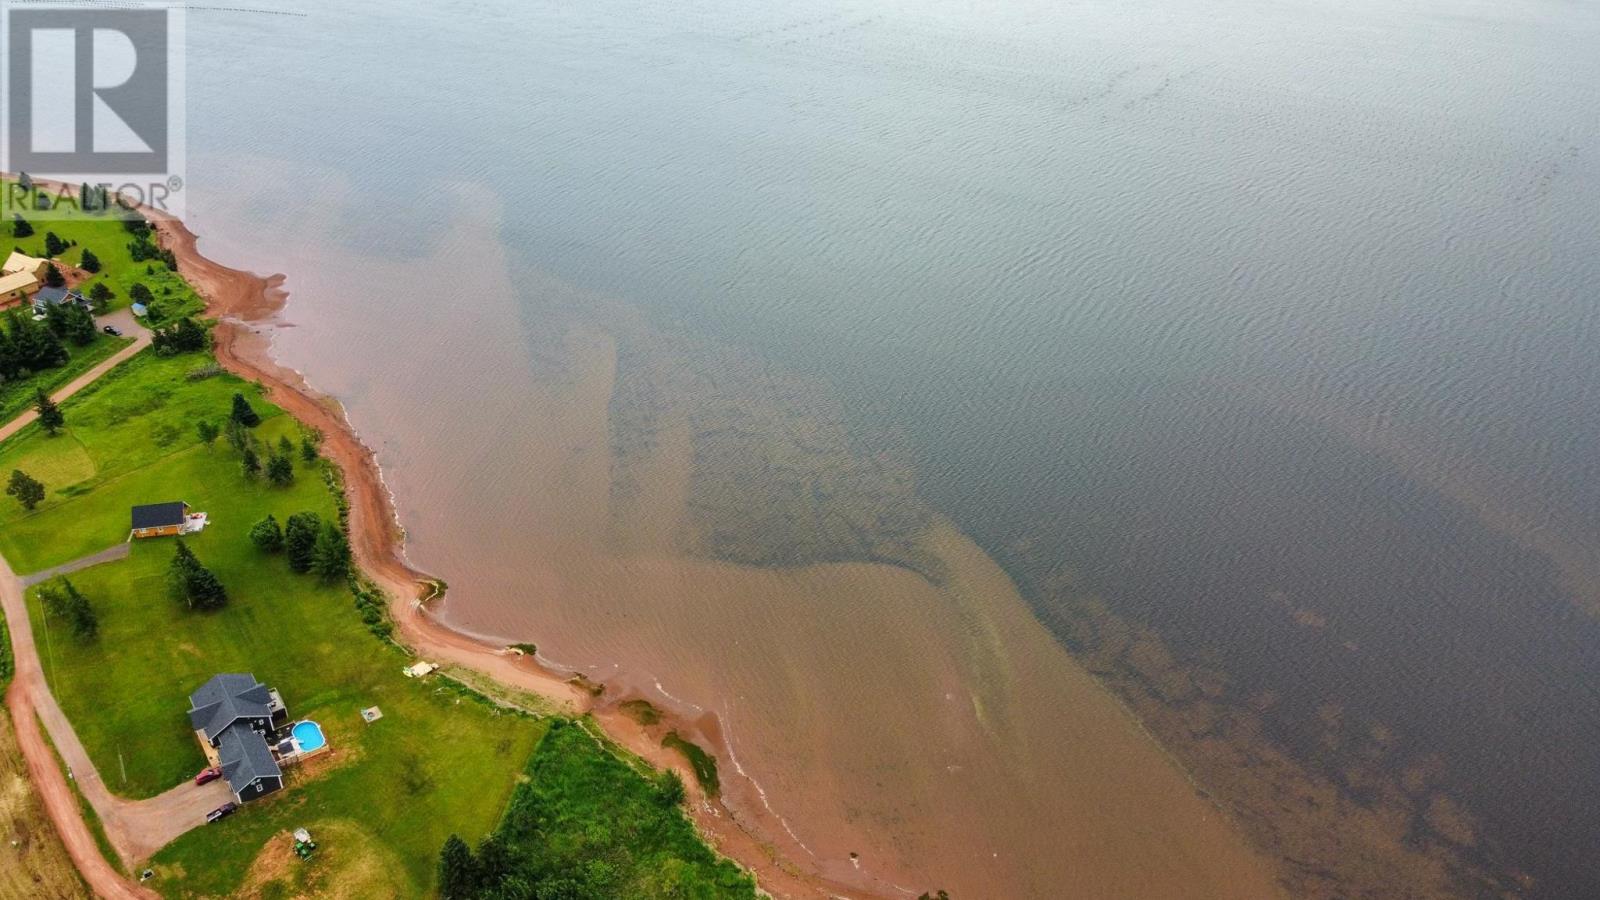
(21, 262)
(20, 276)
(15, 289)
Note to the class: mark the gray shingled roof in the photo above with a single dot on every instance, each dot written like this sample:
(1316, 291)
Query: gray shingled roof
(55, 296)
(156, 515)
(225, 699)
(245, 757)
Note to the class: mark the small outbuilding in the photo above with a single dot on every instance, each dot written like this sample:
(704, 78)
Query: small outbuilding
(160, 519)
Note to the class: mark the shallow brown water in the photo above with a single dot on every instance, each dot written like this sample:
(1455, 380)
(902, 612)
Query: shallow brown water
(1255, 343)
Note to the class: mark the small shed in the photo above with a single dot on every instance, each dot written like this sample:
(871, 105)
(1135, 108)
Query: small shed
(139, 310)
(159, 519)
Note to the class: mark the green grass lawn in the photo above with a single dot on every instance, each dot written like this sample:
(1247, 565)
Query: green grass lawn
(143, 411)
(105, 235)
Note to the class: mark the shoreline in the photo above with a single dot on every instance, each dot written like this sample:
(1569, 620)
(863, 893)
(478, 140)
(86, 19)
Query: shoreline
(245, 306)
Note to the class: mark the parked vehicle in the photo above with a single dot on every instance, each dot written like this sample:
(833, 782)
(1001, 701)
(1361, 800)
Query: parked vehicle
(111, 330)
(221, 812)
(207, 776)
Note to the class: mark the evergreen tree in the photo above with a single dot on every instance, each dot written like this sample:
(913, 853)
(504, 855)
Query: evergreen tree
(101, 295)
(458, 871)
(208, 431)
(9, 364)
(300, 539)
(53, 244)
(55, 318)
(138, 293)
(79, 328)
(25, 181)
(267, 535)
(34, 346)
(239, 437)
(308, 449)
(79, 614)
(53, 276)
(192, 582)
(28, 491)
(243, 413)
(251, 463)
(280, 470)
(20, 226)
(183, 336)
(330, 558)
(50, 417)
(90, 262)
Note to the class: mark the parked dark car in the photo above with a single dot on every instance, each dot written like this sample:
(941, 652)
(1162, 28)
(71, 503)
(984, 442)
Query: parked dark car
(221, 812)
(207, 776)
(111, 331)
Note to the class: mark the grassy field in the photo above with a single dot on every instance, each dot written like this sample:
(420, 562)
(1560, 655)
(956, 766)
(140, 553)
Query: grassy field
(142, 412)
(586, 823)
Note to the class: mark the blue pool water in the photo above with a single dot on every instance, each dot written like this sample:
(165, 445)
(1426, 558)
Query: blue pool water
(309, 736)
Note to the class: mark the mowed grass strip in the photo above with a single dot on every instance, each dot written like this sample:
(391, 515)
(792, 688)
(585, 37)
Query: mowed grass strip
(440, 760)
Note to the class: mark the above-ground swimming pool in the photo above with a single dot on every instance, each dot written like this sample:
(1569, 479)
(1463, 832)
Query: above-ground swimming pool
(308, 736)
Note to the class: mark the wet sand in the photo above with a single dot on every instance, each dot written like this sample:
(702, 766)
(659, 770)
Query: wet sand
(884, 725)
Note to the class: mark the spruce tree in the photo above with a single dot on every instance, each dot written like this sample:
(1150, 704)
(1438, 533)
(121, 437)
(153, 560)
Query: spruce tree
(90, 262)
(300, 539)
(267, 535)
(53, 276)
(192, 582)
(20, 227)
(50, 417)
(280, 470)
(330, 558)
(243, 413)
(458, 871)
(28, 490)
(79, 326)
(250, 463)
(79, 614)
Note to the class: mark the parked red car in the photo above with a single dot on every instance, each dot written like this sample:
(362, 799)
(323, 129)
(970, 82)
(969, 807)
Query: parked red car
(207, 775)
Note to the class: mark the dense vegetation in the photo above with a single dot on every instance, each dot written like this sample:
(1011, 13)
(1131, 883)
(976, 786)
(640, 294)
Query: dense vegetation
(587, 826)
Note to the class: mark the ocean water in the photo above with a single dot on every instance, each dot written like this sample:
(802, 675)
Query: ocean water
(862, 375)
